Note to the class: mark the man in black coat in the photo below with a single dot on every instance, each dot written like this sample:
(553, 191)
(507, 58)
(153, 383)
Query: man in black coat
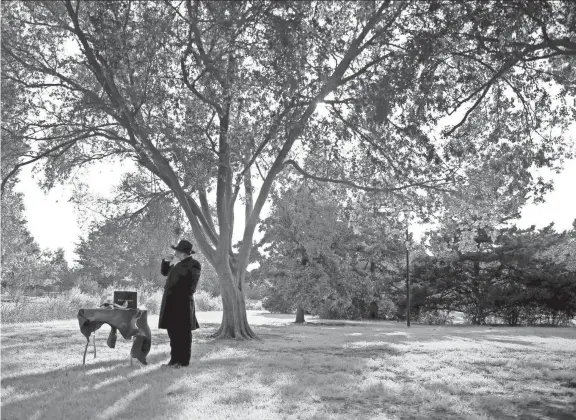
(177, 313)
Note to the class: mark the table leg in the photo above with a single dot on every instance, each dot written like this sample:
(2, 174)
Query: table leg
(85, 350)
(94, 344)
(131, 352)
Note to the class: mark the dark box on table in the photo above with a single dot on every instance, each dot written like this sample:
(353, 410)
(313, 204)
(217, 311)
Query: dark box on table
(131, 297)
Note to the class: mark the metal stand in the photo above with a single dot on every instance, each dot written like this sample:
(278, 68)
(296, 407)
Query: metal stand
(131, 351)
(86, 348)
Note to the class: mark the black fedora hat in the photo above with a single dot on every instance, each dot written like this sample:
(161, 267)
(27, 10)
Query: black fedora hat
(183, 246)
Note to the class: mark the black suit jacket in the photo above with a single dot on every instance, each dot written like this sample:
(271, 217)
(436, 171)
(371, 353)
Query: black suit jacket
(177, 309)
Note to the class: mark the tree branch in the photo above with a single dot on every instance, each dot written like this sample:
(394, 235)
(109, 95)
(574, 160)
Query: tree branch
(63, 146)
(271, 134)
(365, 188)
(362, 70)
(296, 130)
(198, 40)
(507, 66)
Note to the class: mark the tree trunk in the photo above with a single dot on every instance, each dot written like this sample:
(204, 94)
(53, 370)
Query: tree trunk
(234, 320)
(300, 314)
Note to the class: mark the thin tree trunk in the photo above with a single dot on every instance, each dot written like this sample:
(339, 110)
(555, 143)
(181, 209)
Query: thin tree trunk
(300, 314)
(249, 194)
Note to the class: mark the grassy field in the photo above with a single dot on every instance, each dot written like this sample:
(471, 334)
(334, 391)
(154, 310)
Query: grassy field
(348, 370)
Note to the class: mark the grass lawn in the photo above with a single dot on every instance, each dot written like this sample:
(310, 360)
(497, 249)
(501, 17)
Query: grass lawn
(351, 370)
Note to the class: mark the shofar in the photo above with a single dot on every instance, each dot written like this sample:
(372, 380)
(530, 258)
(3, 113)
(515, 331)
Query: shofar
(130, 323)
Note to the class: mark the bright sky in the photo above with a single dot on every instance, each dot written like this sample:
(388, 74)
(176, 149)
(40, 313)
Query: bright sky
(53, 221)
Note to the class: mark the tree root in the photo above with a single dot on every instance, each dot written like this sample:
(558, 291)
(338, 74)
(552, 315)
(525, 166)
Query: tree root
(246, 333)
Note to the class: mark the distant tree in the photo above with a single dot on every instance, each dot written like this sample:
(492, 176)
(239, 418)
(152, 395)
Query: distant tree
(20, 252)
(563, 251)
(511, 277)
(318, 255)
(128, 248)
(56, 269)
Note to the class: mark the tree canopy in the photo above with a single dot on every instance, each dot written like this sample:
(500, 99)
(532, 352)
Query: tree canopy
(521, 277)
(422, 98)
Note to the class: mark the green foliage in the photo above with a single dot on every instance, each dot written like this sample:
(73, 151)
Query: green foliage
(339, 308)
(276, 302)
(20, 253)
(127, 250)
(251, 74)
(62, 306)
(427, 103)
(206, 302)
(314, 254)
(514, 279)
(387, 308)
(435, 317)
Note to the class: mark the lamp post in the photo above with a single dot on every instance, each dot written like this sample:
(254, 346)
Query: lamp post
(407, 276)
(407, 241)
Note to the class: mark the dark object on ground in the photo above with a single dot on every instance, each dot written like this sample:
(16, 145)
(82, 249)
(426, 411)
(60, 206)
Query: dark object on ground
(114, 305)
(173, 364)
(373, 310)
(299, 315)
(130, 323)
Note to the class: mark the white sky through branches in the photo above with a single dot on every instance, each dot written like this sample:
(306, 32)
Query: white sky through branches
(53, 221)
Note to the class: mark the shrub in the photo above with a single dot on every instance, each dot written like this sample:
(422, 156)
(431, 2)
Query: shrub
(252, 293)
(254, 305)
(151, 301)
(436, 318)
(339, 309)
(276, 303)
(21, 308)
(386, 308)
(205, 302)
(78, 299)
(87, 285)
(209, 282)
(62, 306)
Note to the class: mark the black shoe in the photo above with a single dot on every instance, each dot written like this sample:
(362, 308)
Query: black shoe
(170, 364)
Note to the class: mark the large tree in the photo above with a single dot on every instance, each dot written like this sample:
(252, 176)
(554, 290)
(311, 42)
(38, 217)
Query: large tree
(20, 252)
(205, 94)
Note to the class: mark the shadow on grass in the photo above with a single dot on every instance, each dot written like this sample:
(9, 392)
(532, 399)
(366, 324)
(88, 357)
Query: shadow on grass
(101, 388)
(278, 316)
(284, 374)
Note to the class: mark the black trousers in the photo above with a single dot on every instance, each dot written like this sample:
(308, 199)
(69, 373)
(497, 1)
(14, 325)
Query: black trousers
(180, 345)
